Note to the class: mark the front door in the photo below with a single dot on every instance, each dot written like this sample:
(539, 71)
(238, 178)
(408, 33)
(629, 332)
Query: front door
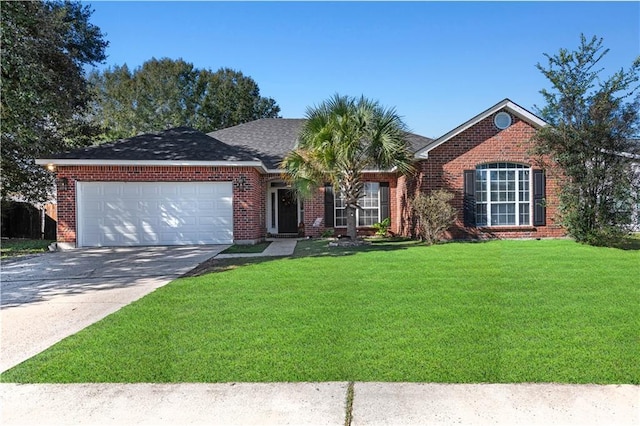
(287, 212)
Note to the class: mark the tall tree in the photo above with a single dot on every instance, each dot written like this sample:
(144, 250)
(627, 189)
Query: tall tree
(340, 139)
(593, 121)
(44, 93)
(166, 93)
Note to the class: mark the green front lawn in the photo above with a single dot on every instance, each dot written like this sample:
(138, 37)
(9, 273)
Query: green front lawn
(499, 312)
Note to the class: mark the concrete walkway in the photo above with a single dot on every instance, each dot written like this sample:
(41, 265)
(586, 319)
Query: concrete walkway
(278, 247)
(35, 316)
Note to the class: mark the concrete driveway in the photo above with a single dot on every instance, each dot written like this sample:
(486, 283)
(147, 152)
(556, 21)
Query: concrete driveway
(48, 297)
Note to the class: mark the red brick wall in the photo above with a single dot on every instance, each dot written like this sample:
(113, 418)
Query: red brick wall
(314, 207)
(484, 143)
(248, 203)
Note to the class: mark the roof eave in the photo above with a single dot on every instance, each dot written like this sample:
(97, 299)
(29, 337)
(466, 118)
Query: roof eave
(58, 162)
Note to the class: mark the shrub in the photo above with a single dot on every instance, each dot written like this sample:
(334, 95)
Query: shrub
(435, 214)
(382, 227)
(327, 233)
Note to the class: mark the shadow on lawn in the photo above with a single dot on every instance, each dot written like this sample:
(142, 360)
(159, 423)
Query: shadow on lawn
(306, 248)
(629, 242)
(321, 248)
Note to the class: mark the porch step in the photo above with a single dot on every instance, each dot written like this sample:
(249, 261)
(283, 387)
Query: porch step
(291, 235)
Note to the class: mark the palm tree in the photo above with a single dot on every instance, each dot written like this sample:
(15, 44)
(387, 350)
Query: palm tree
(341, 138)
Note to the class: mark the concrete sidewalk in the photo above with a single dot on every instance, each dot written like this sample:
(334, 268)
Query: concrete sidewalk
(319, 404)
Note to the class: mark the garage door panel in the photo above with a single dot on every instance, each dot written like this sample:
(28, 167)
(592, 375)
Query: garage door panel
(217, 222)
(190, 221)
(223, 201)
(224, 235)
(154, 213)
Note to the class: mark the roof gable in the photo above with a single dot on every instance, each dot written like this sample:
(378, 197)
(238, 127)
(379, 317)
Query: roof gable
(505, 104)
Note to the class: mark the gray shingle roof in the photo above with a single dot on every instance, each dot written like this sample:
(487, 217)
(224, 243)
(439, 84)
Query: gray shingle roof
(274, 138)
(268, 140)
(178, 144)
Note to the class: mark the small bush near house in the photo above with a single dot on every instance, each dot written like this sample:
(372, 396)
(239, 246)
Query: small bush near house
(382, 227)
(327, 233)
(435, 214)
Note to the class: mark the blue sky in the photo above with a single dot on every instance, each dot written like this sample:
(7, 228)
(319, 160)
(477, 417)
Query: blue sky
(437, 63)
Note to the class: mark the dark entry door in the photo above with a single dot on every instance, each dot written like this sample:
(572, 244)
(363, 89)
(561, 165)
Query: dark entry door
(287, 212)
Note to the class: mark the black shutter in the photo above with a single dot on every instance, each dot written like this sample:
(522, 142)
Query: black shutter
(384, 201)
(469, 200)
(328, 205)
(539, 209)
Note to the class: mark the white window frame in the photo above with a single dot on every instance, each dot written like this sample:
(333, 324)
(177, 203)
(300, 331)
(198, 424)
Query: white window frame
(487, 169)
(338, 206)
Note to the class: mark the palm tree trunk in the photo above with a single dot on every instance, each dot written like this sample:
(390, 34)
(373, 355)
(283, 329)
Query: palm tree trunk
(351, 222)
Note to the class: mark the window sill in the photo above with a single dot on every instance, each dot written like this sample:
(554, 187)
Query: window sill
(510, 228)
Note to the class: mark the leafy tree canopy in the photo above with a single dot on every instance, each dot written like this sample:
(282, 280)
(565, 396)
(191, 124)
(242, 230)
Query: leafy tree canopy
(165, 93)
(593, 123)
(340, 139)
(44, 93)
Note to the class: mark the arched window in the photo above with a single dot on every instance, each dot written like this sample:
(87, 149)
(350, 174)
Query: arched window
(503, 194)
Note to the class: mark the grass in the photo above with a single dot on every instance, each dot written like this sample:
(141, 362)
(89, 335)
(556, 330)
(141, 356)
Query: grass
(498, 312)
(19, 246)
(247, 248)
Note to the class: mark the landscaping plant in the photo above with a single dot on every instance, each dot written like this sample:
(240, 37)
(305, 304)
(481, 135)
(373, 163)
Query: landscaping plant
(435, 214)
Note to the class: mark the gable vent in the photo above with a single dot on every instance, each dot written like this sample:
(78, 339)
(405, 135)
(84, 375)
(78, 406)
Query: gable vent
(502, 120)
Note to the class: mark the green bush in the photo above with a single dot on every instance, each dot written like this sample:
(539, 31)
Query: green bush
(382, 227)
(327, 233)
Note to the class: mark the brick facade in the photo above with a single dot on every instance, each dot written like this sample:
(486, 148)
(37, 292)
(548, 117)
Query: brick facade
(314, 208)
(248, 199)
(481, 144)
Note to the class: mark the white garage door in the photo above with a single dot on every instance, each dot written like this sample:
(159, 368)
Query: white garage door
(154, 213)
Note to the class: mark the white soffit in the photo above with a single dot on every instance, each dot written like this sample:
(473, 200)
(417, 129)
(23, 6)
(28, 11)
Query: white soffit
(88, 162)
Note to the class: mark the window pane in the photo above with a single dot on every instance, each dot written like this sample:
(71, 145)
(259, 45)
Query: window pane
(341, 217)
(368, 217)
(481, 214)
(524, 214)
(523, 185)
(503, 214)
(481, 186)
